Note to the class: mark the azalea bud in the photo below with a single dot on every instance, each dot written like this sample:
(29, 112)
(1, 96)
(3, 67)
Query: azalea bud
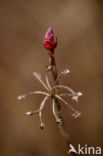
(50, 40)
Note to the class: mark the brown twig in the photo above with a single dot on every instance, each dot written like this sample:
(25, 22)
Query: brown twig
(63, 132)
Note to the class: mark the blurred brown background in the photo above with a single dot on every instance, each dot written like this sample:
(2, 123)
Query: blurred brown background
(79, 28)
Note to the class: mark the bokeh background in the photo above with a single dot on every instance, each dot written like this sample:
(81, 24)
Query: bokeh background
(79, 29)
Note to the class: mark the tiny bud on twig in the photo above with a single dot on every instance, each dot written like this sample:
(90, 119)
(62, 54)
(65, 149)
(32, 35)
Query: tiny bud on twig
(50, 40)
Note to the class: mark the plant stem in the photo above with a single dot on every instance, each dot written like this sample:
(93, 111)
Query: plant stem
(52, 64)
(57, 103)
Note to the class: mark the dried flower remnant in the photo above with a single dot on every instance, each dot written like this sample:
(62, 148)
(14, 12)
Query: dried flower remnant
(51, 93)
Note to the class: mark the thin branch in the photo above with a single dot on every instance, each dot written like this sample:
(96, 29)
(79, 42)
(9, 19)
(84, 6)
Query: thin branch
(58, 108)
(65, 87)
(58, 120)
(66, 71)
(65, 103)
(42, 92)
(21, 97)
(38, 77)
(65, 95)
(47, 81)
(76, 114)
(40, 112)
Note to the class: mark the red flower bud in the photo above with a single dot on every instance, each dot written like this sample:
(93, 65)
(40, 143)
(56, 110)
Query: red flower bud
(50, 40)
